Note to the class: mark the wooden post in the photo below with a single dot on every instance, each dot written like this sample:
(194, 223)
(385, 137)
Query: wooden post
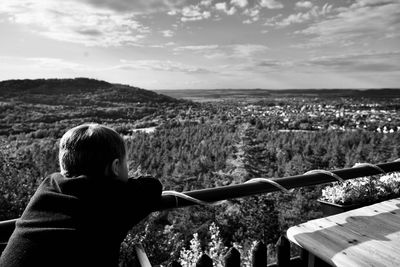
(232, 258)
(259, 255)
(174, 264)
(304, 257)
(2, 247)
(142, 257)
(283, 251)
(204, 261)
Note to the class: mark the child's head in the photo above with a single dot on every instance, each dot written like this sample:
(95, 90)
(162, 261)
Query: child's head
(93, 150)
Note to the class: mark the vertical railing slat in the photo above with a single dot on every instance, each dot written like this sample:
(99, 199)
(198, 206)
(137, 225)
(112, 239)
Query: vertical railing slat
(304, 257)
(174, 264)
(259, 255)
(204, 261)
(283, 251)
(232, 258)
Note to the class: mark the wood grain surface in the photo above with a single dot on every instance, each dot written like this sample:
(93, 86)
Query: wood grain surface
(368, 236)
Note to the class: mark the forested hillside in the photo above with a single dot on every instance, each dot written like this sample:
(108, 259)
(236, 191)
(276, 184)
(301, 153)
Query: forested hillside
(42, 108)
(195, 146)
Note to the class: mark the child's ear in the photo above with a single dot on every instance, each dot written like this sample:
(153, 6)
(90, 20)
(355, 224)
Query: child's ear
(115, 167)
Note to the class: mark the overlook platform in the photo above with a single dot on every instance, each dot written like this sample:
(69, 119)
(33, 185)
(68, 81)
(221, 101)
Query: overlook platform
(368, 236)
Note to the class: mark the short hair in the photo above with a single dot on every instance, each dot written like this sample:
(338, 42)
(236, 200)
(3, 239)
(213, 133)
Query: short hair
(88, 149)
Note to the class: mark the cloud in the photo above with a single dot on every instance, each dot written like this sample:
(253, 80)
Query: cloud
(77, 23)
(206, 3)
(194, 13)
(370, 61)
(41, 63)
(167, 33)
(256, 66)
(363, 21)
(248, 50)
(208, 51)
(172, 12)
(92, 32)
(224, 8)
(273, 21)
(221, 6)
(372, 3)
(239, 3)
(304, 4)
(348, 63)
(253, 14)
(196, 48)
(271, 4)
(237, 51)
(314, 13)
(55, 63)
(160, 65)
(273, 64)
(137, 6)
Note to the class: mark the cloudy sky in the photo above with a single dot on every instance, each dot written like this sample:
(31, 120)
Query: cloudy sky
(185, 44)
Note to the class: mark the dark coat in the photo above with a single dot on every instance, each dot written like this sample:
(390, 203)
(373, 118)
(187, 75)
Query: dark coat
(79, 221)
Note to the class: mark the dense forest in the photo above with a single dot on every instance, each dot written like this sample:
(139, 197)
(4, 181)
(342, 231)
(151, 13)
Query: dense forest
(195, 146)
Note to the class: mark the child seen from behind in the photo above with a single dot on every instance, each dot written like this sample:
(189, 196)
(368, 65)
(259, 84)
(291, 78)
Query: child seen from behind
(80, 216)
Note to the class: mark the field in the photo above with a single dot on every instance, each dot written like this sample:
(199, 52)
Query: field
(199, 139)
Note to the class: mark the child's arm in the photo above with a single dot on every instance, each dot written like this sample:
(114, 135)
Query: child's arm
(144, 197)
(148, 190)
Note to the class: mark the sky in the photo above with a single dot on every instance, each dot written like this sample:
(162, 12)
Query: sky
(204, 44)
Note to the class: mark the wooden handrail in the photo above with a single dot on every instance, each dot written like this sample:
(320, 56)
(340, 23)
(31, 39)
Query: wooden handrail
(254, 188)
(248, 189)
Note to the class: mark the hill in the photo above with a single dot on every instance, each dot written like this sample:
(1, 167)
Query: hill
(52, 91)
(49, 106)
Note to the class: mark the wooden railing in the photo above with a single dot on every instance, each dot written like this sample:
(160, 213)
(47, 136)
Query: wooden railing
(258, 257)
(257, 186)
(233, 258)
(260, 187)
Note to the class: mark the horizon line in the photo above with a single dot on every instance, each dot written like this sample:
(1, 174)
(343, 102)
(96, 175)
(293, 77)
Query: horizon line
(203, 89)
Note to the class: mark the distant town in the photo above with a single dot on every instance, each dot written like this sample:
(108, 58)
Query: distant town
(298, 113)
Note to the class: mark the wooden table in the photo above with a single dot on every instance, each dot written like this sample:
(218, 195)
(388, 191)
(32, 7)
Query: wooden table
(368, 236)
